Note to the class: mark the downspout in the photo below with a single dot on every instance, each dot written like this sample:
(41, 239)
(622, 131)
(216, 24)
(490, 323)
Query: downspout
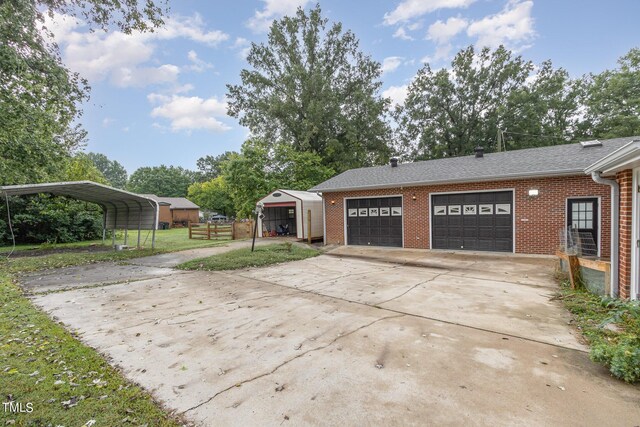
(615, 210)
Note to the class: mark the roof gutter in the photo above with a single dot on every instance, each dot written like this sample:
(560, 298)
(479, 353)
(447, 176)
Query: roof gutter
(615, 209)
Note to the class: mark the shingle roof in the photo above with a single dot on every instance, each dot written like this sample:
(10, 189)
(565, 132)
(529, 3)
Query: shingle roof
(175, 202)
(557, 160)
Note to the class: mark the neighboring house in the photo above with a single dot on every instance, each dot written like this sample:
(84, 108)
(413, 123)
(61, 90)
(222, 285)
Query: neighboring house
(521, 201)
(176, 210)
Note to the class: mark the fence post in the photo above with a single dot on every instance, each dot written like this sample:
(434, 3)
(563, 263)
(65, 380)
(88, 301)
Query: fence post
(607, 279)
(574, 271)
(309, 226)
(233, 230)
(189, 224)
(208, 230)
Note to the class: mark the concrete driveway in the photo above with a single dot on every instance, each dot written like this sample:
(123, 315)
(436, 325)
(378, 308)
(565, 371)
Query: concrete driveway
(350, 338)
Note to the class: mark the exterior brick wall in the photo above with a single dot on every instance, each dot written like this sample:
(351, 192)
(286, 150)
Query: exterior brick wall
(538, 220)
(625, 180)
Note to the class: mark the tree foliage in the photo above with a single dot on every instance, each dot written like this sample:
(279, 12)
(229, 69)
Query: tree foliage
(112, 170)
(210, 167)
(127, 15)
(163, 181)
(39, 99)
(212, 195)
(449, 112)
(259, 169)
(81, 168)
(612, 100)
(311, 88)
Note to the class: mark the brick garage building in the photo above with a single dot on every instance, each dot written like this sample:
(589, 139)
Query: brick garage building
(522, 201)
(176, 211)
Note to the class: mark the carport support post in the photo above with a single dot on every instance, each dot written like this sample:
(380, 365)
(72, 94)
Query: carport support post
(104, 225)
(139, 222)
(126, 229)
(115, 224)
(309, 226)
(155, 226)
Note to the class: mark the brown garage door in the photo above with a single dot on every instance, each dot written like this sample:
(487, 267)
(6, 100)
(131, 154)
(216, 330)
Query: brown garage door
(374, 222)
(473, 221)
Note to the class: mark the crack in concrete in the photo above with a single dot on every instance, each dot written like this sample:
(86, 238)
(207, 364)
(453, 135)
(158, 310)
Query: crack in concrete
(435, 319)
(411, 288)
(322, 347)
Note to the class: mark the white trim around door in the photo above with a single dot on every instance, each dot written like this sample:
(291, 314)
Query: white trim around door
(344, 208)
(513, 210)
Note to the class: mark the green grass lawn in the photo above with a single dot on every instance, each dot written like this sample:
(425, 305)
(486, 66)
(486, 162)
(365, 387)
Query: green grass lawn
(243, 258)
(174, 239)
(41, 363)
(66, 382)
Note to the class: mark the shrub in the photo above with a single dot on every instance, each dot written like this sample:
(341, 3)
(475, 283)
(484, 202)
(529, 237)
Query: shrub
(40, 219)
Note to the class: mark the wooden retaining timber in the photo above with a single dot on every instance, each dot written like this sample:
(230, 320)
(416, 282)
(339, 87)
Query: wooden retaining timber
(575, 262)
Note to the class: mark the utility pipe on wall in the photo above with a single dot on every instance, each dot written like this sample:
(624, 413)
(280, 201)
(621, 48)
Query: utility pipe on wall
(615, 226)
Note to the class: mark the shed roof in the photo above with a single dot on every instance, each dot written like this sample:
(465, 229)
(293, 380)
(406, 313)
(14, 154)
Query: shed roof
(557, 160)
(297, 194)
(122, 208)
(175, 202)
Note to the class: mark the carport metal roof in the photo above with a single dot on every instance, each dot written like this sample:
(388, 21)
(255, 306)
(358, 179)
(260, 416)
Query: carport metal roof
(122, 209)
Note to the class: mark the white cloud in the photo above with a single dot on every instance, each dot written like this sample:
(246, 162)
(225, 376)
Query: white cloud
(391, 63)
(441, 32)
(198, 65)
(144, 76)
(106, 122)
(189, 113)
(410, 9)
(401, 33)
(397, 94)
(273, 9)
(512, 27)
(121, 58)
(244, 47)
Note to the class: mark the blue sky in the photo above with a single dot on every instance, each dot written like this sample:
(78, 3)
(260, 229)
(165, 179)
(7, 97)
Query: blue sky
(160, 98)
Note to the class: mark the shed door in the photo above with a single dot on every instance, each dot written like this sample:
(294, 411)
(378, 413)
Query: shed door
(374, 222)
(473, 221)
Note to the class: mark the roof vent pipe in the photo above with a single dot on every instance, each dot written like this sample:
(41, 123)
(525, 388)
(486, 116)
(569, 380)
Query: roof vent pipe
(479, 152)
(394, 162)
(615, 209)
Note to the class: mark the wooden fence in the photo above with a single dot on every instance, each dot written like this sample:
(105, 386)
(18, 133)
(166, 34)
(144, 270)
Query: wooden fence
(223, 231)
(574, 263)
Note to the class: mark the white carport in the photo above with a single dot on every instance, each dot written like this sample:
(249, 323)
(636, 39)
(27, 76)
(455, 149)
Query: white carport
(292, 208)
(122, 210)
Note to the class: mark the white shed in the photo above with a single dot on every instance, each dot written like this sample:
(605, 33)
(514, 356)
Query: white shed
(286, 212)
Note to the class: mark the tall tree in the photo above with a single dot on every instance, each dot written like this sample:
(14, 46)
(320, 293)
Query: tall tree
(112, 170)
(450, 111)
(613, 100)
(542, 111)
(310, 87)
(249, 176)
(210, 167)
(40, 98)
(161, 180)
(212, 195)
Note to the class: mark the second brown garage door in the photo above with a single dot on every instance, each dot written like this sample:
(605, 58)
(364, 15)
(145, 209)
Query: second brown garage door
(473, 221)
